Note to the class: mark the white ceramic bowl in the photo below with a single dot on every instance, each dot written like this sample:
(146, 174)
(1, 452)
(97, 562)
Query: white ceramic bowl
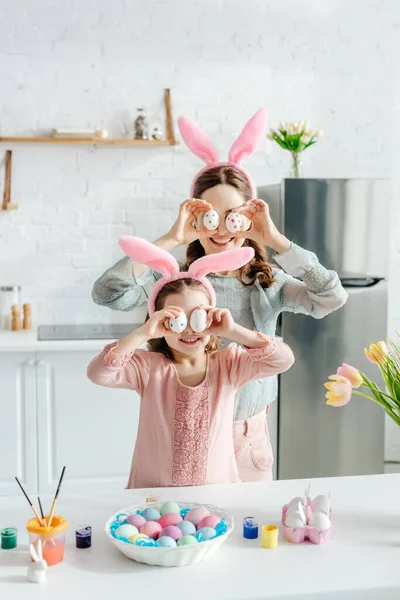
(171, 557)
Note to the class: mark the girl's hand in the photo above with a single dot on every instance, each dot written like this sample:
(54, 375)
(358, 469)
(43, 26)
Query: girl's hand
(262, 230)
(158, 324)
(220, 321)
(183, 230)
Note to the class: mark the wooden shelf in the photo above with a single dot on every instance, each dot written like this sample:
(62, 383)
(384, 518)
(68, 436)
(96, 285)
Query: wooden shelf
(90, 142)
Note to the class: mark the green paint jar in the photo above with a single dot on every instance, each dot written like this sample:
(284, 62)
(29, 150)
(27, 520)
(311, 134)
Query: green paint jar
(9, 538)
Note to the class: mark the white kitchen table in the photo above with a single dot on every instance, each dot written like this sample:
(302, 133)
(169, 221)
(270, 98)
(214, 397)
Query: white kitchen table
(362, 559)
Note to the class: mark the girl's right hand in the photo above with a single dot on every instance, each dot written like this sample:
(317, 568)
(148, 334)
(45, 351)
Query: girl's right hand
(158, 324)
(183, 232)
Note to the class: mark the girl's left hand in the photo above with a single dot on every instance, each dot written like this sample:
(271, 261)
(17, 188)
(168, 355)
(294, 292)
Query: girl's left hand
(262, 230)
(220, 321)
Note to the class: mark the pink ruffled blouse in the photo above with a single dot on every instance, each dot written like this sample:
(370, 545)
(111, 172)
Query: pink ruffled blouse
(185, 433)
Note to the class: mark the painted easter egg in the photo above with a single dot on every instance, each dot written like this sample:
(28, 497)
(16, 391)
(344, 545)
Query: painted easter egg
(208, 533)
(211, 220)
(187, 540)
(198, 320)
(320, 521)
(166, 542)
(137, 537)
(169, 519)
(210, 521)
(234, 222)
(187, 528)
(170, 507)
(151, 514)
(152, 529)
(171, 531)
(126, 531)
(178, 324)
(197, 514)
(136, 520)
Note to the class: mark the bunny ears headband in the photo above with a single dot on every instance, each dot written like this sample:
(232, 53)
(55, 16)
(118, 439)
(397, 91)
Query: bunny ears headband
(161, 261)
(245, 145)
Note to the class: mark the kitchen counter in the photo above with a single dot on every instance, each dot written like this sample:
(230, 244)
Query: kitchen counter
(360, 561)
(27, 341)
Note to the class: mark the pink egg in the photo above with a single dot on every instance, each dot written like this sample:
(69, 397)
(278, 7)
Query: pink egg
(169, 519)
(136, 520)
(210, 521)
(197, 514)
(152, 529)
(171, 531)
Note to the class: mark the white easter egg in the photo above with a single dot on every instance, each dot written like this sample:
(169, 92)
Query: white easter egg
(320, 521)
(234, 222)
(321, 504)
(198, 320)
(296, 500)
(179, 323)
(294, 520)
(211, 220)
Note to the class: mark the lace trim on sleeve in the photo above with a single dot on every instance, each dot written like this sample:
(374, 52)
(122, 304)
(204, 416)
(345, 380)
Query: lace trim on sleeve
(115, 360)
(267, 350)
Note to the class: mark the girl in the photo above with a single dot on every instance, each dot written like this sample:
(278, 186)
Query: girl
(187, 388)
(256, 294)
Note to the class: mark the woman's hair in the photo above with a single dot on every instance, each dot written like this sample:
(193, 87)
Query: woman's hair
(176, 287)
(258, 267)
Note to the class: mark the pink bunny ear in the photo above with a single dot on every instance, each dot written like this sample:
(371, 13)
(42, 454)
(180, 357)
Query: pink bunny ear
(146, 253)
(225, 261)
(197, 141)
(250, 138)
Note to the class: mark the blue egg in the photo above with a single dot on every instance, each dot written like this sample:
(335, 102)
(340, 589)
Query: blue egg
(187, 528)
(151, 514)
(166, 542)
(208, 533)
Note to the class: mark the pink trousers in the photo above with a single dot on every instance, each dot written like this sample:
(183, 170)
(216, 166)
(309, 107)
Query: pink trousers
(253, 449)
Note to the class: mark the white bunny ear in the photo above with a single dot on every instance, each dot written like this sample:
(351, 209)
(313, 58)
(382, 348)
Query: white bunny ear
(250, 138)
(197, 140)
(34, 554)
(148, 254)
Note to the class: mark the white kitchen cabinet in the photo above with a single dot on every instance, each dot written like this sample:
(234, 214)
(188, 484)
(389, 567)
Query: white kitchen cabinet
(90, 429)
(51, 415)
(18, 432)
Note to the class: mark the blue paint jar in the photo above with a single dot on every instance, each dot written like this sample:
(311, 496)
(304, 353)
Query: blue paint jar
(250, 528)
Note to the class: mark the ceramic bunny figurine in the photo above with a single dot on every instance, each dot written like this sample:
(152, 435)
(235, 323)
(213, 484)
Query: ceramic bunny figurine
(37, 569)
(244, 146)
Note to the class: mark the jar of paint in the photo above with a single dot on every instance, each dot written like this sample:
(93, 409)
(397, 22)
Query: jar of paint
(83, 536)
(250, 528)
(52, 538)
(9, 538)
(269, 536)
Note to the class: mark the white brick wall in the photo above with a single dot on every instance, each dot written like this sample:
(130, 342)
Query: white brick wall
(92, 62)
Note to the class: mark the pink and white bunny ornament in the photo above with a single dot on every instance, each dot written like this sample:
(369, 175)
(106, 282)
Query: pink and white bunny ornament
(161, 261)
(37, 569)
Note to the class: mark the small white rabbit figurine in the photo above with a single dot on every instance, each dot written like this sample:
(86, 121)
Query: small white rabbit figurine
(37, 569)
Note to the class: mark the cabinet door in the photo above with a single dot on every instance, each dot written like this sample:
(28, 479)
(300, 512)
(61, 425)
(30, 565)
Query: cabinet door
(18, 455)
(89, 429)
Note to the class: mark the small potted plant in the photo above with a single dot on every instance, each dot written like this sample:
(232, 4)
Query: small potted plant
(295, 137)
(348, 379)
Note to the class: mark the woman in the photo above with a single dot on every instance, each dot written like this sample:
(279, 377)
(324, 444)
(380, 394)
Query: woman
(256, 294)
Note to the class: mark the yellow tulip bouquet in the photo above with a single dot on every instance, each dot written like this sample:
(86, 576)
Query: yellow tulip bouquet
(347, 379)
(295, 137)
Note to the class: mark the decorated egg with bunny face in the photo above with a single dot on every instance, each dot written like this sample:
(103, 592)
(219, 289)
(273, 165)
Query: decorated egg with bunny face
(211, 220)
(234, 222)
(179, 323)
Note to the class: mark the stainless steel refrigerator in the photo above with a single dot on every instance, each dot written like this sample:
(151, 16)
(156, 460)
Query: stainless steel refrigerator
(346, 223)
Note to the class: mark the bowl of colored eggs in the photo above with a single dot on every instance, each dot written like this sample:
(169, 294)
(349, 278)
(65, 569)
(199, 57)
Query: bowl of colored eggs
(169, 534)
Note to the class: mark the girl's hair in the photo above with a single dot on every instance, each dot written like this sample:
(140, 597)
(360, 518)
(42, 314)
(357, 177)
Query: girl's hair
(176, 287)
(258, 267)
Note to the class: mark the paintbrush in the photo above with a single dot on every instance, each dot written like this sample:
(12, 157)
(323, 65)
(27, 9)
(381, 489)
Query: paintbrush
(53, 506)
(30, 503)
(40, 506)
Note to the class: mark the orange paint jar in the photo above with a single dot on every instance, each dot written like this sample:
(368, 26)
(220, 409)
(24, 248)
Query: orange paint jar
(52, 538)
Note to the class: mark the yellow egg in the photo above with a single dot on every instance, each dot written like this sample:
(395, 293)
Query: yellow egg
(138, 536)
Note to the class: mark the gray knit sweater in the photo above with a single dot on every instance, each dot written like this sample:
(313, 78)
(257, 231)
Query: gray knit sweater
(303, 286)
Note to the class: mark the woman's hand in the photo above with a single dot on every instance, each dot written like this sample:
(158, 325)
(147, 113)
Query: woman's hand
(158, 324)
(262, 230)
(183, 230)
(220, 321)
